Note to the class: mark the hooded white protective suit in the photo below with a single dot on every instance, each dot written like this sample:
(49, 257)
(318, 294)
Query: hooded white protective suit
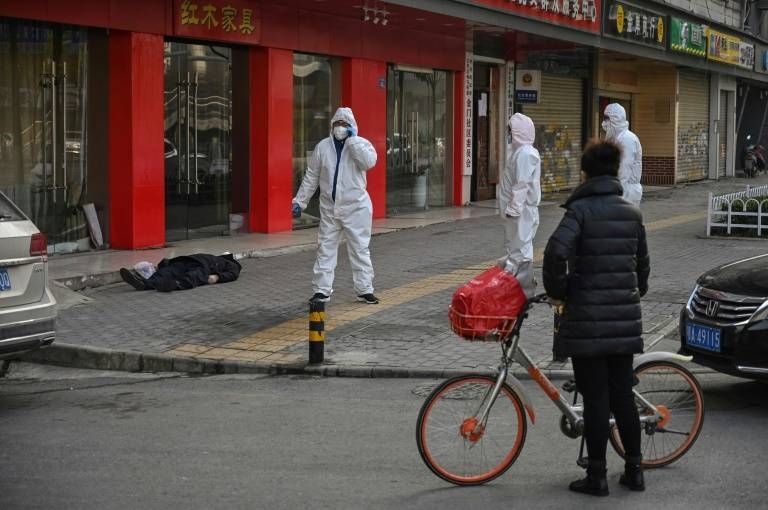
(631, 168)
(345, 206)
(519, 197)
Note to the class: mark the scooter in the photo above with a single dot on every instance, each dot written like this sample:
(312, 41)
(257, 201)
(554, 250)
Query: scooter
(753, 159)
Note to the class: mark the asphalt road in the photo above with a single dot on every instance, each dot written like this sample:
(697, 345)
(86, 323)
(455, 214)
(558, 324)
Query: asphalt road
(106, 440)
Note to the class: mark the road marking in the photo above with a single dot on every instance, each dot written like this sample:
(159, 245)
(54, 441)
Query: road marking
(674, 220)
(265, 345)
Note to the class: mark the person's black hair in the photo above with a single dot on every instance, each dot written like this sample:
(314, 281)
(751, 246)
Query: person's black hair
(601, 157)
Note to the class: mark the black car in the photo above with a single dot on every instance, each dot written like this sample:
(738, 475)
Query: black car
(724, 325)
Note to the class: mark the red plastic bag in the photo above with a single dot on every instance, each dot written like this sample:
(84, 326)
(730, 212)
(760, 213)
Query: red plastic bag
(490, 301)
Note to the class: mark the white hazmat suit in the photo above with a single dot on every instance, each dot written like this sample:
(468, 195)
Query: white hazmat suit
(519, 197)
(617, 130)
(345, 206)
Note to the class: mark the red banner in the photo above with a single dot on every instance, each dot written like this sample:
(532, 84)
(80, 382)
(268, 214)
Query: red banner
(581, 14)
(224, 20)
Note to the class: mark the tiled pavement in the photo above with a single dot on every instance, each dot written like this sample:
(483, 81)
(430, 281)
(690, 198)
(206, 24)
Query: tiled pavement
(259, 322)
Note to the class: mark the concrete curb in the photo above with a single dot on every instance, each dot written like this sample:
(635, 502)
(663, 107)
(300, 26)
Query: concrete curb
(79, 356)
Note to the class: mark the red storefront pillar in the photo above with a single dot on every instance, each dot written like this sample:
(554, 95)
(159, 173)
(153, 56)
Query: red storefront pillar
(364, 89)
(271, 132)
(136, 163)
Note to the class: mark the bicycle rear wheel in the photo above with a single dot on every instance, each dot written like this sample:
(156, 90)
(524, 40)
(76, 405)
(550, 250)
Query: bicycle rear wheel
(677, 395)
(452, 442)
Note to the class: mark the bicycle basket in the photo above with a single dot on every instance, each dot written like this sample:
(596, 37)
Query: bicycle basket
(482, 328)
(486, 307)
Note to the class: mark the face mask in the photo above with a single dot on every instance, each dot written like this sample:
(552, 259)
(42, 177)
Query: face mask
(340, 132)
(608, 128)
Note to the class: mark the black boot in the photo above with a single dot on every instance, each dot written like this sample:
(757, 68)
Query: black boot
(633, 474)
(594, 484)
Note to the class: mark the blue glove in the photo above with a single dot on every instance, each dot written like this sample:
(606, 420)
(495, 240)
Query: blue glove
(352, 131)
(296, 210)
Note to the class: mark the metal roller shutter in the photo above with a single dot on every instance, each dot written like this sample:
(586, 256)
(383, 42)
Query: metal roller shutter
(557, 118)
(692, 129)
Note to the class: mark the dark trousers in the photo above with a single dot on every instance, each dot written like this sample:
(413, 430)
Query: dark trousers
(605, 383)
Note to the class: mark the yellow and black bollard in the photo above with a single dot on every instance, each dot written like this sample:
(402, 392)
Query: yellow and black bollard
(316, 331)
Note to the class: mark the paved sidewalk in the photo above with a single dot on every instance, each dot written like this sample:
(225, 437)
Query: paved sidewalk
(259, 322)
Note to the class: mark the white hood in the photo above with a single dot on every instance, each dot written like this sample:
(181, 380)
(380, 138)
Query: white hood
(346, 115)
(522, 131)
(617, 121)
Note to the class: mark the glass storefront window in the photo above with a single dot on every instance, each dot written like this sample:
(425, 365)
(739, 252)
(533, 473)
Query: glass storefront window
(43, 113)
(317, 95)
(417, 119)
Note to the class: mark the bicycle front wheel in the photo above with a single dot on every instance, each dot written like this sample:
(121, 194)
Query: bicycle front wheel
(676, 393)
(453, 442)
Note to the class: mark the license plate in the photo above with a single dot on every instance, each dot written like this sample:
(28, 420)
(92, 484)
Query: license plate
(5, 279)
(702, 337)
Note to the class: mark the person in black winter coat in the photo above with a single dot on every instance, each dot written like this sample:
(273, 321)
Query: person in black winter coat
(186, 272)
(596, 265)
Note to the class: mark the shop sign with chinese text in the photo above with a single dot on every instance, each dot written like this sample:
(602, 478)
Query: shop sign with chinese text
(469, 87)
(747, 55)
(581, 14)
(687, 37)
(223, 20)
(629, 23)
(724, 48)
(510, 87)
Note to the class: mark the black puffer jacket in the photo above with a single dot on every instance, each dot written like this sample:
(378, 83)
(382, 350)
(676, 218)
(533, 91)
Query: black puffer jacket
(224, 266)
(597, 262)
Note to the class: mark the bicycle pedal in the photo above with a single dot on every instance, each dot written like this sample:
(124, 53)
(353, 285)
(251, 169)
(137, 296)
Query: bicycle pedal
(569, 386)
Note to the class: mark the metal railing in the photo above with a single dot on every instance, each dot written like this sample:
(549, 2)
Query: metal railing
(721, 212)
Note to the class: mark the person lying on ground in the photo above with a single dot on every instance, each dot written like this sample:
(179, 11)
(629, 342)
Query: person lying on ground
(182, 273)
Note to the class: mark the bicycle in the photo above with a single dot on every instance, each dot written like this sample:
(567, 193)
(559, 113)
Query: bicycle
(472, 428)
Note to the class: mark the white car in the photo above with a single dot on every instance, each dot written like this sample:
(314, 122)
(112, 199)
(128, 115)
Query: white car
(27, 307)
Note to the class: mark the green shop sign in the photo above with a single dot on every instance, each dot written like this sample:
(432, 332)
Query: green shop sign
(687, 37)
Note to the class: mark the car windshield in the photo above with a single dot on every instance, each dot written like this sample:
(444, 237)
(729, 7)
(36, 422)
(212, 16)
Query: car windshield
(8, 211)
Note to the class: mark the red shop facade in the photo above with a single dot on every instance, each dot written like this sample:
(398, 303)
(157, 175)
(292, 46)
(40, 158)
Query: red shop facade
(183, 118)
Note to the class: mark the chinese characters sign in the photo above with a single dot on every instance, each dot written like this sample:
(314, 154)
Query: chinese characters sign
(630, 23)
(725, 48)
(227, 20)
(687, 37)
(747, 55)
(582, 14)
(510, 89)
(469, 86)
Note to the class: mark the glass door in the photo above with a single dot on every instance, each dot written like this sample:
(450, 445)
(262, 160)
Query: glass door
(416, 140)
(198, 147)
(43, 92)
(316, 95)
